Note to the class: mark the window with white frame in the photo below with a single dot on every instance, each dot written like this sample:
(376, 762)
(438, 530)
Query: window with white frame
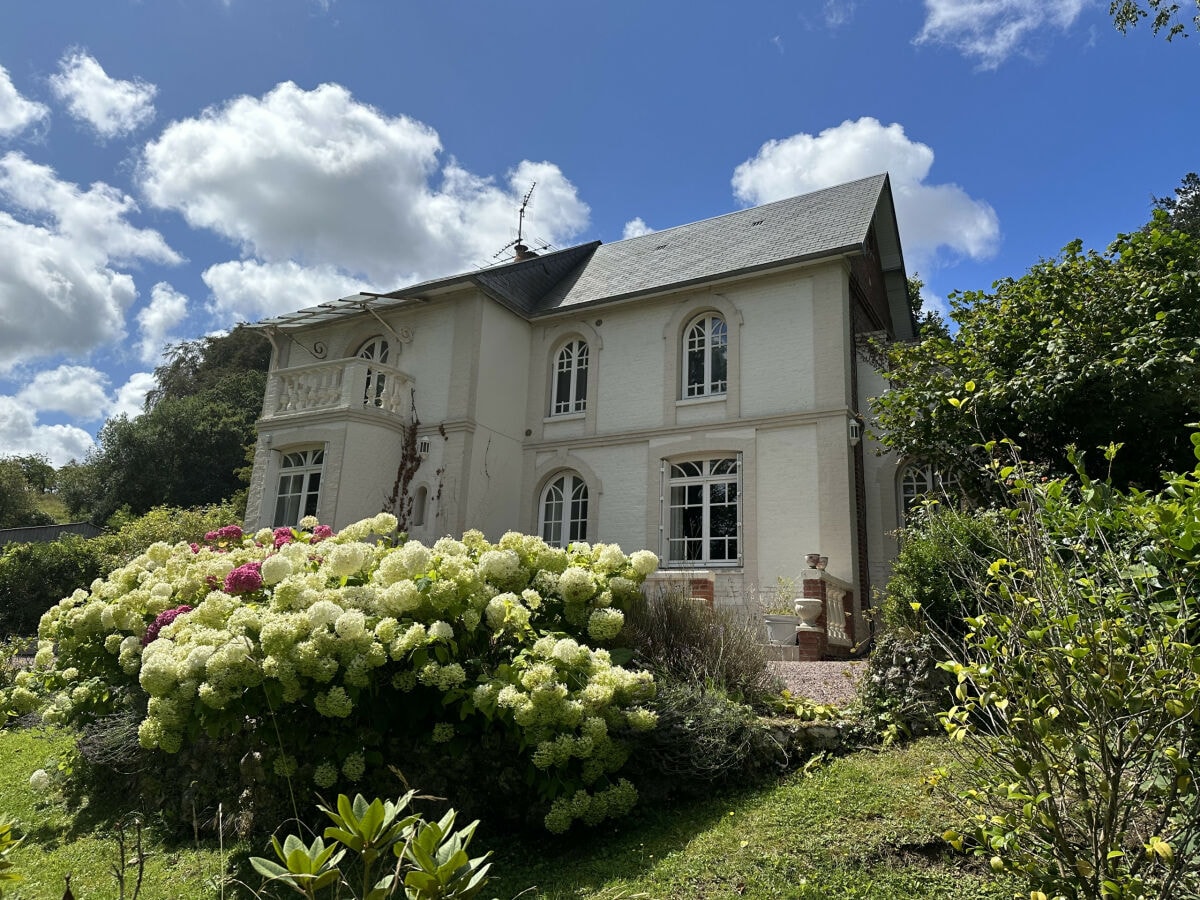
(378, 350)
(920, 481)
(704, 511)
(705, 357)
(564, 510)
(299, 486)
(570, 379)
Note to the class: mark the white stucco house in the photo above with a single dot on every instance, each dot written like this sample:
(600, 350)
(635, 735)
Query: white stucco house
(695, 391)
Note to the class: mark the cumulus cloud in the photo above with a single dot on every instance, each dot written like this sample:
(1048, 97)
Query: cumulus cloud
(318, 180)
(247, 290)
(130, 398)
(78, 391)
(636, 228)
(60, 288)
(112, 107)
(20, 434)
(167, 308)
(934, 218)
(17, 113)
(991, 31)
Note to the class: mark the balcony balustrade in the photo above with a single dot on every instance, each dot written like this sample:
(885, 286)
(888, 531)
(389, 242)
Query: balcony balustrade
(344, 384)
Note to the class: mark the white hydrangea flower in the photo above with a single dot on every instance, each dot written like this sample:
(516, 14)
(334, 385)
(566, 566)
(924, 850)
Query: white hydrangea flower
(347, 559)
(576, 584)
(275, 568)
(441, 630)
(324, 612)
(643, 562)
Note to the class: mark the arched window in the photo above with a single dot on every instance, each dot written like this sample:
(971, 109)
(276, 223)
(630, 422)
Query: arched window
(299, 486)
(704, 511)
(377, 350)
(570, 379)
(564, 510)
(705, 352)
(919, 481)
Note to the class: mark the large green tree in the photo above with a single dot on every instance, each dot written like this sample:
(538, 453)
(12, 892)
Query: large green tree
(18, 499)
(1086, 349)
(189, 447)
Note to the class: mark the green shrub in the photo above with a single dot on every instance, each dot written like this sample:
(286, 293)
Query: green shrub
(677, 637)
(943, 551)
(704, 739)
(35, 576)
(904, 689)
(1079, 692)
(318, 657)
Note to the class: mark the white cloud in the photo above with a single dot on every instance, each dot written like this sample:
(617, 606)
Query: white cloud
(78, 391)
(247, 290)
(17, 113)
(59, 290)
(20, 433)
(993, 30)
(838, 12)
(636, 228)
(112, 107)
(319, 180)
(130, 398)
(167, 308)
(934, 218)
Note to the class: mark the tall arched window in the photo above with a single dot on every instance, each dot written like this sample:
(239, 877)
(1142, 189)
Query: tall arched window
(919, 481)
(705, 352)
(564, 510)
(570, 379)
(299, 486)
(377, 350)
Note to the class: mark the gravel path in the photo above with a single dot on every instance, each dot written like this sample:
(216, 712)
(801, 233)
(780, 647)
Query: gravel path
(831, 683)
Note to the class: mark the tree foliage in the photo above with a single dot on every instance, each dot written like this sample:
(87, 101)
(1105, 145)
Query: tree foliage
(1086, 349)
(1163, 16)
(18, 500)
(1183, 210)
(189, 447)
(1079, 691)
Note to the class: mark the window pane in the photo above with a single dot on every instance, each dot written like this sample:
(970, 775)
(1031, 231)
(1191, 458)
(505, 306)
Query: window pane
(704, 510)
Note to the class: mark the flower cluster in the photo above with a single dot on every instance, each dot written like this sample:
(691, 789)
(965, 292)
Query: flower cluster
(493, 636)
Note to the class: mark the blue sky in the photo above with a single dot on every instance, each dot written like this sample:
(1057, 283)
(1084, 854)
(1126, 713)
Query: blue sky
(168, 168)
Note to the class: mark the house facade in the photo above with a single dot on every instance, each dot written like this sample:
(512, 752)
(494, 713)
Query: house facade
(694, 391)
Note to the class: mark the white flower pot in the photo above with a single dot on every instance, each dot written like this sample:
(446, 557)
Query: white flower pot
(781, 629)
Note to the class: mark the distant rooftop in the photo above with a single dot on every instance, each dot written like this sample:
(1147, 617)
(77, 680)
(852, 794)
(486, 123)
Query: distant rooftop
(825, 223)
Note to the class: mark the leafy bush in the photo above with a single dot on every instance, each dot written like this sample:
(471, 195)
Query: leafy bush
(1079, 692)
(704, 739)
(904, 689)
(943, 551)
(35, 576)
(314, 657)
(672, 635)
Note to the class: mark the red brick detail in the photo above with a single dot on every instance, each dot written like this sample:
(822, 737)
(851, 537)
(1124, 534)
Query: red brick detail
(814, 588)
(702, 589)
(812, 645)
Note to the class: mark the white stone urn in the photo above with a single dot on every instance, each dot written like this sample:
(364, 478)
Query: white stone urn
(781, 629)
(808, 610)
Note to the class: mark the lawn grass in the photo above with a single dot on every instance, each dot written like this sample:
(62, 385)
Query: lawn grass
(859, 827)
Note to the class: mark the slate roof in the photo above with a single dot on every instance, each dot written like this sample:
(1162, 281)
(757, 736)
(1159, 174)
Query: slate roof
(824, 223)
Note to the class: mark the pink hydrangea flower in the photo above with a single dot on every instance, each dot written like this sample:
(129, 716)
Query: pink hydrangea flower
(195, 548)
(161, 621)
(283, 536)
(225, 533)
(244, 579)
(320, 533)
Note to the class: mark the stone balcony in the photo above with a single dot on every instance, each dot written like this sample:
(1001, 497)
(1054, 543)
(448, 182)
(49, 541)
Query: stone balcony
(339, 385)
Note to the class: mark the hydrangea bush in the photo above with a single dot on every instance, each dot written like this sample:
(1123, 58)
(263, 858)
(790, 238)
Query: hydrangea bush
(328, 648)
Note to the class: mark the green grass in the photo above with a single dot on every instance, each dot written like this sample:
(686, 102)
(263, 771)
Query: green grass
(860, 827)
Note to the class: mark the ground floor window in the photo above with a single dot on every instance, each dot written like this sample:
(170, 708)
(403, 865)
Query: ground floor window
(704, 511)
(299, 486)
(564, 510)
(920, 481)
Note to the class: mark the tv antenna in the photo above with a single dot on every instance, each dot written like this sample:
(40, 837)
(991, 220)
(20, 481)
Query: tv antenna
(523, 252)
